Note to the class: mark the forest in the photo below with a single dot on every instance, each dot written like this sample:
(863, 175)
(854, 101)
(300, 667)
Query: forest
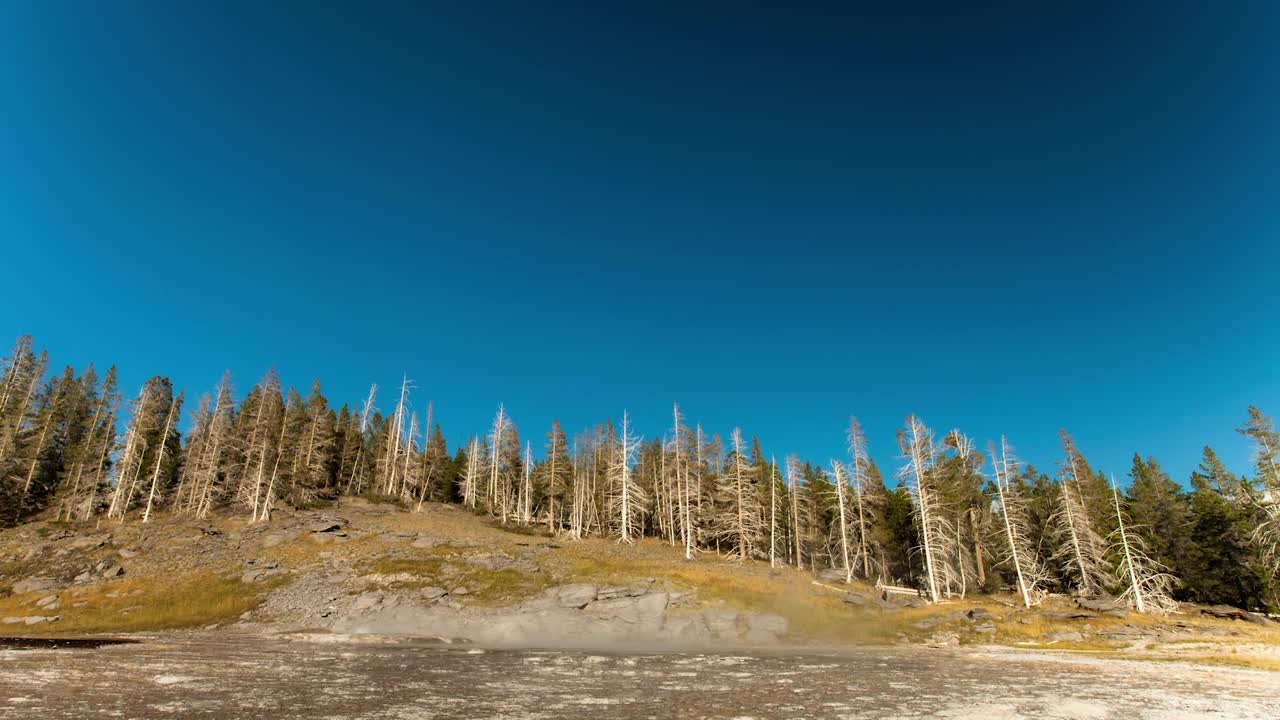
(953, 519)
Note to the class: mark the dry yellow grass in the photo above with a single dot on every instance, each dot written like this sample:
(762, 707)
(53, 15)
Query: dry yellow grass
(152, 603)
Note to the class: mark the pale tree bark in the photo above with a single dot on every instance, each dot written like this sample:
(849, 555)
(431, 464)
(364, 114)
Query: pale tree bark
(773, 513)
(794, 471)
(357, 472)
(629, 498)
(170, 418)
(124, 468)
(861, 461)
(263, 512)
(837, 470)
(495, 486)
(935, 532)
(1147, 586)
(742, 525)
(1022, 554)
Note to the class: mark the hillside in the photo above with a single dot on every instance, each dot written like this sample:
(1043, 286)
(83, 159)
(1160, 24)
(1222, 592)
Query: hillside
(370, 570)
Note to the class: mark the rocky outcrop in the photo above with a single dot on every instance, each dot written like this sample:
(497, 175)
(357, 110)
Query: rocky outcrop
(576, 615)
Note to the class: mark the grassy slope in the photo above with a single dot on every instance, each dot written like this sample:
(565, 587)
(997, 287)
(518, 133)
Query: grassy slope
(184, 578)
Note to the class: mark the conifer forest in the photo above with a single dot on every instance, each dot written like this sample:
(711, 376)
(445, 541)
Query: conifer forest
(948, 517)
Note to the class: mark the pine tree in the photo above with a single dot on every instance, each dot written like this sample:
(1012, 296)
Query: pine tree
(1158, 514)
(1225, 567)
(1264, 495)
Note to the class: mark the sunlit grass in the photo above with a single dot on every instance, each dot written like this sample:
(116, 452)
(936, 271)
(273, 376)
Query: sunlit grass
(152, 603)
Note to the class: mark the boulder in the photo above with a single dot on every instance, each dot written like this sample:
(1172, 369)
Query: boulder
(89, 542)
(978, 614)
(985, 629)
(31, 585)
(424, 543)
(126, 553)
(30, 619)
(47, 601)
(327, 525)
(1225, 612)
(609, 592)
(1064, 636)
(577, 596)
(854, 599)
(114, 571)
(433, 593)
(721, 621)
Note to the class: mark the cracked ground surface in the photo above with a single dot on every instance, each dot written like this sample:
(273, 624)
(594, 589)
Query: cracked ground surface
(264, 678)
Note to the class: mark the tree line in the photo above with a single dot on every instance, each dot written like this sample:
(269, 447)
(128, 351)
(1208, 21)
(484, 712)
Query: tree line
(957, 520)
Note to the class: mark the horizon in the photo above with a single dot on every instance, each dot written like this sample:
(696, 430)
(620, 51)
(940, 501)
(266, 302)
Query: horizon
(1007, 222)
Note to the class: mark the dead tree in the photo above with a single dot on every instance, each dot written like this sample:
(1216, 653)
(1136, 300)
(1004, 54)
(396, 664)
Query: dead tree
(837, 471)
(1081, 552)
(1146, 585)
(936, 533)
(864, 508)
(170, 418)
(741, 523)
(628, 500)
(1022, 553)
(794, 471)
(773, 512)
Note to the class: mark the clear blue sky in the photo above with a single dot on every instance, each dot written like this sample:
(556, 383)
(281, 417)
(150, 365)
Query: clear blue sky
(1004, 217)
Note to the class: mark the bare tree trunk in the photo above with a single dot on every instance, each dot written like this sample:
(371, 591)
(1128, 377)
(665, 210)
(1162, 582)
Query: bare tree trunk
(164, 437)
(844, 530)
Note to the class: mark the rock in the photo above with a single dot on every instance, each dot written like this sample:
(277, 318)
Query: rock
(424, 543)
(768, 622)
(1117, 613)
(272, 540)
(1225, 612)
(721, 621)
(326, 525)
(31, 585)
(83, 577)
(126, 553)
(114, 571)
(47, 601)
(460, 590)
(1064, 636)
(914, 602)
(576, 596)
(1099, 604)
(1072, 615)
(30, 619)
(978, 614)
(943, 639)
(253, 575)
(609, 592)
(89, 542)
(985, 629)
(367, 601)
(854, 599)
(433, 593)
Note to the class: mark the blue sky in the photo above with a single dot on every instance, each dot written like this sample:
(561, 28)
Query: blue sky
(1008, 219)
